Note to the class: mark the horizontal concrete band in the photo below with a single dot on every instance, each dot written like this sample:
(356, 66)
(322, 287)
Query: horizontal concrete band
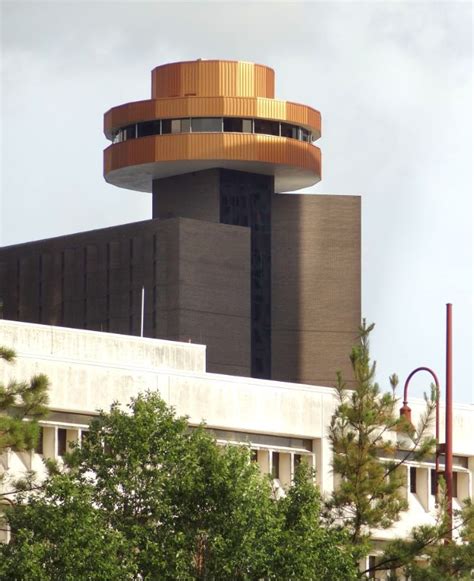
(135, 163)
(245, 107)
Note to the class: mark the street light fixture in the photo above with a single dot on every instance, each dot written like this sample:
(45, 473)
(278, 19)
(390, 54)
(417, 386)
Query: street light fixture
(447, 448)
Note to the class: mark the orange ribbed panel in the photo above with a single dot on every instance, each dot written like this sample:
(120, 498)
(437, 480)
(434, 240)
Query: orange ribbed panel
(212, 107)
(211, 79)
(213, 146)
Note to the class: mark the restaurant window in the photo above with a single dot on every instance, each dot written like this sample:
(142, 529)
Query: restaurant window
(185, 125)
(148, 128)
(247, 125)
(288, 130)
(130, 132)
(304, 135)
(206, 125)
(176, 126)
(233, 124)
(267, 127)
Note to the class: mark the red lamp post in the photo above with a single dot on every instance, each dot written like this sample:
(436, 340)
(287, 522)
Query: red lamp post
(447, 448)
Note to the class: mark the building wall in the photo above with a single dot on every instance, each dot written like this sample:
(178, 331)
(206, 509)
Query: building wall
(316, 281)
(270, 282)
(89, 370)
(196, 277)
(192, 195)
(241, 199)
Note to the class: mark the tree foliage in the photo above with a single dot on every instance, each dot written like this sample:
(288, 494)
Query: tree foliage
(371, 443)
(154, 499)
(20, 400)
(427, 555)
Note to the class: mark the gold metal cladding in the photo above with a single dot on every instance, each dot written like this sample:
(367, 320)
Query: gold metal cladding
(212, 78)
(295, 163)
(243, 107)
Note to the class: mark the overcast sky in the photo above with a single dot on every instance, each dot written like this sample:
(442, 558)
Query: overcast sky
(392, 81)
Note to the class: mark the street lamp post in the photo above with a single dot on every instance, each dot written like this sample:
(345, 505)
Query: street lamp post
(447, 448)
(406, 411)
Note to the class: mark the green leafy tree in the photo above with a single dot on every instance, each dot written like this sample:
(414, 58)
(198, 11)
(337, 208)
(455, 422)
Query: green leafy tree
(20, 400)
(371, 444)
(165, 502)
(44, 548)
(325, 551)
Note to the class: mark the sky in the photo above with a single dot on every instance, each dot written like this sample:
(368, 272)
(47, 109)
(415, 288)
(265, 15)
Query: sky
(393, 82)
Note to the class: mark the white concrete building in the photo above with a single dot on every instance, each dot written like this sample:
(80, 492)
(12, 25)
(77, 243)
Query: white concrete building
(282, 422)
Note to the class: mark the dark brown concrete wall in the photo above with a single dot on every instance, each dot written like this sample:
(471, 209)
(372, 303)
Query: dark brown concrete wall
(196, 277)
(192, 195)
(214, 293)
(316, 281)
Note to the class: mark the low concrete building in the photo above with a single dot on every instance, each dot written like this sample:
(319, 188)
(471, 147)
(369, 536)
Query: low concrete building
(283, 422)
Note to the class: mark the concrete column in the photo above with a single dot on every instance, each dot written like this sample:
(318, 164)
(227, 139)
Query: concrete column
(264, 461)
(50, 442)
(286, 461)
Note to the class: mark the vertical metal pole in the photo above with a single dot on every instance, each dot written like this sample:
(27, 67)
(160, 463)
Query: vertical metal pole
(438, 396)
(143, 312)
(449, 418)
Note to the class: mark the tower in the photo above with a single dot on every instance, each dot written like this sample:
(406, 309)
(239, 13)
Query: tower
(269, 281)
(220, 118)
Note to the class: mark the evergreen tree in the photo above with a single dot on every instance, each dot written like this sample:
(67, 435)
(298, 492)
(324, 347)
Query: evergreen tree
(20, 400)
(371, 444)
(426, 555)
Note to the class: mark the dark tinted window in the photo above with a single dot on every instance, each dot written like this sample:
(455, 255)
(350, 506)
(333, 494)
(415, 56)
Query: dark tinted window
(412, 479)
(288, 130)
(267, 127)
(39, 444)
(233, 124)
(304, 135)
(434, 478)
(62, 441)
(148, 128)
(275, 465)
(166, 126)
(129, 132)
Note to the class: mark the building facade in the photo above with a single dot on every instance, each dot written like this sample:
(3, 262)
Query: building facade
(283, 422)
(269, 281)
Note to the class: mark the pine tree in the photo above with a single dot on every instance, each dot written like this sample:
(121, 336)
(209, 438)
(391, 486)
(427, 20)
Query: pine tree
(371, 444)
(20, 401)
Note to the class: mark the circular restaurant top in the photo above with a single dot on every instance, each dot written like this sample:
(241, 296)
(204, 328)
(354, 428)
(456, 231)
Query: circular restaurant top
(203, 99)
(212, 78)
